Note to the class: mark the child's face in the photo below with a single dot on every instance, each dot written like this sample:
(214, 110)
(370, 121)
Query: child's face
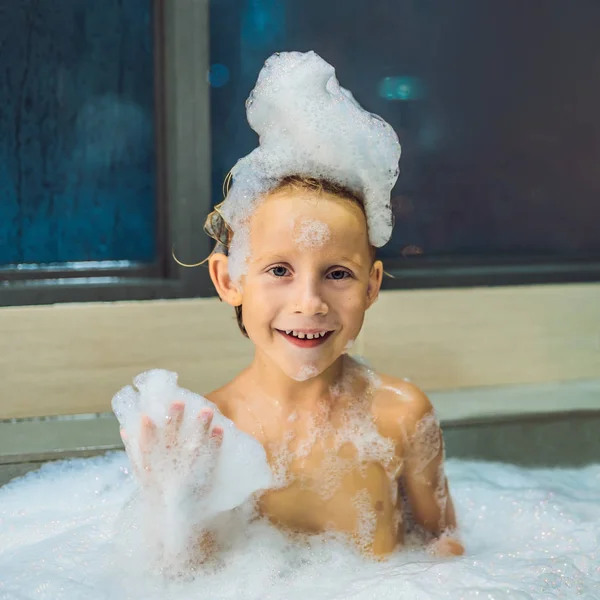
(311, 273)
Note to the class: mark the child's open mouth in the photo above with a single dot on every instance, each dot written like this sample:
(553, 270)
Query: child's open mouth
(305, 339)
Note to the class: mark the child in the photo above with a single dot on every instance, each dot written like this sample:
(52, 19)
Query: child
(352, 451)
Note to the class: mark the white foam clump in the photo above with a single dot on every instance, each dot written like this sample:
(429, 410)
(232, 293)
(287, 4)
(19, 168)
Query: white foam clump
(310, 126)
(242, 468)
(312, 234)
(306, 372)
(530, 535)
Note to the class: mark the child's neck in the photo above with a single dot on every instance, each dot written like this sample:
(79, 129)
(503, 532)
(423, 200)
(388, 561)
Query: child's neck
(272, 382)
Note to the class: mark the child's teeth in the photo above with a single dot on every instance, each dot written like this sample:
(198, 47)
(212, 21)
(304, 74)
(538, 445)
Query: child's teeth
(309, 336)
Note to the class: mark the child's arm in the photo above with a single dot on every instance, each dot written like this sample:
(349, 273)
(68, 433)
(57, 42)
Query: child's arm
(424, 479)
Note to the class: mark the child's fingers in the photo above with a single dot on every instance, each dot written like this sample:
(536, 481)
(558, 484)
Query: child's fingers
(205, 417)
(207, 444)
(125, 439)
(216, 437)
(148, 435)
(148, 440)
(203, 421)
(174, 420)
(215, 441)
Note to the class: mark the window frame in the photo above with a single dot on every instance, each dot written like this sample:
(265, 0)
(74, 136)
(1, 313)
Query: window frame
(183, 153)
(183, 162)
(425, 273)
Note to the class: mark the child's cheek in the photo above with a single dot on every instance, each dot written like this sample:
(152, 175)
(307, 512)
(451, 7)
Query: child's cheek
(268, 299)
(355, 300)
(351, 309)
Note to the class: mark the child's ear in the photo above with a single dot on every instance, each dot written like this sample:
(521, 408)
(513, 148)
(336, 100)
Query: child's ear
(219, 273)
(375, 277)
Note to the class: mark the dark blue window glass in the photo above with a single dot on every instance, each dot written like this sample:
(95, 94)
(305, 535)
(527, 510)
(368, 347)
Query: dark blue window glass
(77, 160)
(495, 102)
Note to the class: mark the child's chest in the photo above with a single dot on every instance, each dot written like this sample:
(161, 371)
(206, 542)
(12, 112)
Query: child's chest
(334, 476)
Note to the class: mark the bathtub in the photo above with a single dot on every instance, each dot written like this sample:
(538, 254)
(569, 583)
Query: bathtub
(530, 532)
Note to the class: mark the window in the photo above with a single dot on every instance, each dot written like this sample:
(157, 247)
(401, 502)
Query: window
(110, 155)
(78, 166)
(495, 104)
(105, 151)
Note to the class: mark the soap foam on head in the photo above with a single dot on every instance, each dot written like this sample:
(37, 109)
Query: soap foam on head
(239, 252)
(310, 126)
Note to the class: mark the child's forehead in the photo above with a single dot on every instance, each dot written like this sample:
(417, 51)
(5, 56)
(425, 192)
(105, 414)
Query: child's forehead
(287, 211)
(328, 228)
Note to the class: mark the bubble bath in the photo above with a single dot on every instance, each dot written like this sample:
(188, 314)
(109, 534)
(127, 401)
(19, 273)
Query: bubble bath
(529, 534)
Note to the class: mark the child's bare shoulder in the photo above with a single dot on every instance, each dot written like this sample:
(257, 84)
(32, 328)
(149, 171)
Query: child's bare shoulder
(398, 406)
(226, 398)
(232, 402)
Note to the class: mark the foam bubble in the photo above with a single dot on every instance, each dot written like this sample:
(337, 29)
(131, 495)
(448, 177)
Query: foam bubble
(312, 234)
(185, 483)
(310, 126)
(426, 442)
(348, 438)
(306, 372)
(530, 534)
(366, 517)
(238, 255)
(242, 467)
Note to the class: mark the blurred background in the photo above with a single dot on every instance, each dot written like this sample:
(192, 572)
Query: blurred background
(495, 104)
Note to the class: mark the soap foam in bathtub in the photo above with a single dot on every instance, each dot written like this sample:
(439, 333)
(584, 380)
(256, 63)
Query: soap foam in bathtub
(530, 535)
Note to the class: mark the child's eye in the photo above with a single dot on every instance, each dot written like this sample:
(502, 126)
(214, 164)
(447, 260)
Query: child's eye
(279, 271)
(339, 274)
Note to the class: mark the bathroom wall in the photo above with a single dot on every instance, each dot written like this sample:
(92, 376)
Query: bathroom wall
(72, 358)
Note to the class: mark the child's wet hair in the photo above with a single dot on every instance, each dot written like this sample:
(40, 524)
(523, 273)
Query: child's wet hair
(217, 228)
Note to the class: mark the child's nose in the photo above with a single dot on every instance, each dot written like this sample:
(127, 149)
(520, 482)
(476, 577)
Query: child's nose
(310, 301)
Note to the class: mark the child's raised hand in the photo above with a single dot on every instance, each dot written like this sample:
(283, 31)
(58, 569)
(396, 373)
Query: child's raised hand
(164, 455)
(184, 451)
